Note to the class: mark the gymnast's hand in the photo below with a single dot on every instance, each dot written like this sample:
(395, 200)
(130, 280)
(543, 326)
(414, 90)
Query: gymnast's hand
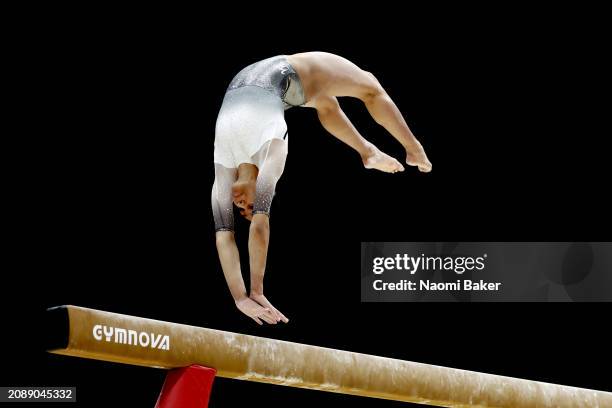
(255, 311)
(261, 299)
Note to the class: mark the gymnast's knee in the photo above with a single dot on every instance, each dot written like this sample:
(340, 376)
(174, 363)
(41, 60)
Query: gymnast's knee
(372, 90)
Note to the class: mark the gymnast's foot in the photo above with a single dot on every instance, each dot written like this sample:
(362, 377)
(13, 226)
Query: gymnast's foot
(261, 299)
(255, 311)
(375, 159)
(415, 156)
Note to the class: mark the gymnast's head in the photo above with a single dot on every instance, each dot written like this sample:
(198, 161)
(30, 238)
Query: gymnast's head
(243, 189)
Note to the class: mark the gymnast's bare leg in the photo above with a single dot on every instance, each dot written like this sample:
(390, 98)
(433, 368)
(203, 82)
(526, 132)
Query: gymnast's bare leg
(327, 76)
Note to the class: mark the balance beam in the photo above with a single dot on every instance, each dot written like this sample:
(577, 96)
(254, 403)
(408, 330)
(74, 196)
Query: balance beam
(94, 334)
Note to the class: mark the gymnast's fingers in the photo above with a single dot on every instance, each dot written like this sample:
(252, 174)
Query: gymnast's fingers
(270, 311)
(257, 320)
(279, 316)
(275, 313)
(283, 317)
(267, 318)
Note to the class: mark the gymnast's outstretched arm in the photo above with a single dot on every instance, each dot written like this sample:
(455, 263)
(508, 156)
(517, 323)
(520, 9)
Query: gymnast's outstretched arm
(226, 246)
(271, 163)
(259, 237)
(230, 263)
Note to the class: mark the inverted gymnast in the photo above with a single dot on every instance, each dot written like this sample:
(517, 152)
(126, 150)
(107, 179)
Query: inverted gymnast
(251, 148)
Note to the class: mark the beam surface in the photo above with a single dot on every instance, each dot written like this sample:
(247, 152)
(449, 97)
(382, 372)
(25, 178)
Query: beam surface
(88, 333)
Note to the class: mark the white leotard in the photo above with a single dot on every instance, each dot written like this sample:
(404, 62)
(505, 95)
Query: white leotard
(251, 129)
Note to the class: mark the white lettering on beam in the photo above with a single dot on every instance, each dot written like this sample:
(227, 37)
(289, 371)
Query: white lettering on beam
(120, 335)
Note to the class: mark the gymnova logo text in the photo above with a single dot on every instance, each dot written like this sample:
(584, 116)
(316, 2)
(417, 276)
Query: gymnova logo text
(131, 337)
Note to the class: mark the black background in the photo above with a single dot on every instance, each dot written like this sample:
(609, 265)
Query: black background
(115, 167)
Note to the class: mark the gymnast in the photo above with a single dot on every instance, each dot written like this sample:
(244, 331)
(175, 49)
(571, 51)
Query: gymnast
(251, 147)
